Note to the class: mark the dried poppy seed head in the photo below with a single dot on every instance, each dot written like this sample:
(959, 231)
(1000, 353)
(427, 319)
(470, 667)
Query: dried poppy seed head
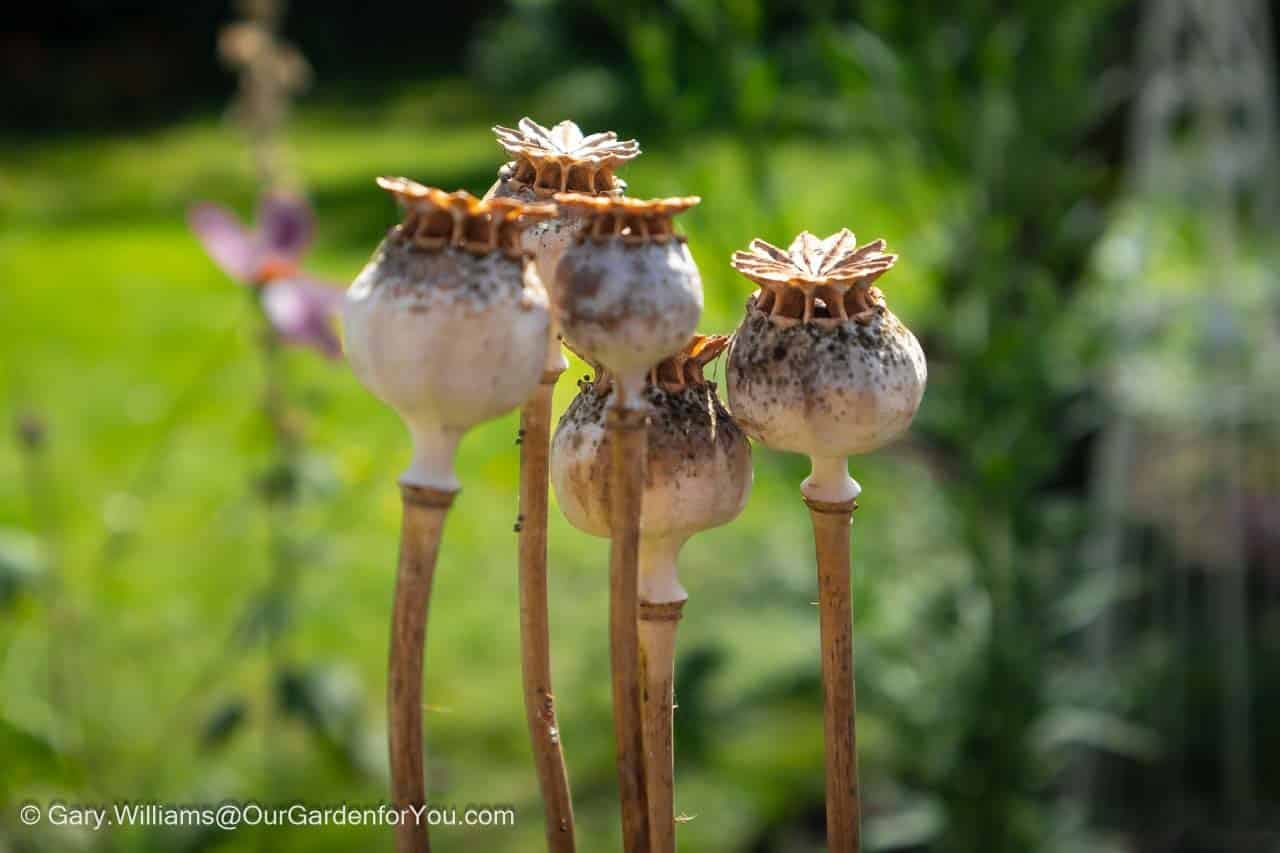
(562, 159)
(634, 220)
(435, 219)
(683, 369)
(699, 462)
(820, 365)
(627, 293)
(549, 161)
(448, 321)
(825, 281)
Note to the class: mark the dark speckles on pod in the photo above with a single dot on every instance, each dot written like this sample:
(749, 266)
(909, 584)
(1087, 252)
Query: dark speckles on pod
(808, 380)
(699, 461)
(448, 294)
(628, 291)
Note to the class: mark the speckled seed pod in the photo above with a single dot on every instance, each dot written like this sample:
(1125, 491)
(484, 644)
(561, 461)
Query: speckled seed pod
(699, 462)
(628, 291)
(546, 161)
(448, 322)
(820, 365)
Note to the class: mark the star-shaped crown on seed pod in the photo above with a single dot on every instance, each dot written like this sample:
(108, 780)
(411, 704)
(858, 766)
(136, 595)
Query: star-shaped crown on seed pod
(435, 219)
(815, 279)
(635, 220)
(561, 158)
(675, 372)
(685, 367)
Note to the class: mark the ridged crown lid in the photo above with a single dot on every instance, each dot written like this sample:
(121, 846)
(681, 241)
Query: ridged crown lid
(561, 158)
(634, 220)
(686, 367)
(827, 279)
(435, 219)
(676, 372)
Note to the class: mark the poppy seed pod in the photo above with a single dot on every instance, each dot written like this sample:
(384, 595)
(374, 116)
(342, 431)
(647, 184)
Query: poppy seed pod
(820, 365)
(447, 323)
(546, 161)
(699, 462)
(628, 293)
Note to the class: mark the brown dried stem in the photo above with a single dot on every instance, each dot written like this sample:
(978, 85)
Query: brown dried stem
(629, 441)
(271, 72)
(535, 642)
(658, 623)
(831, 522)
(423, 520)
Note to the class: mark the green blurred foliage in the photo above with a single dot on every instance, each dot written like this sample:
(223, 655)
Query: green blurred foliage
(149, 650)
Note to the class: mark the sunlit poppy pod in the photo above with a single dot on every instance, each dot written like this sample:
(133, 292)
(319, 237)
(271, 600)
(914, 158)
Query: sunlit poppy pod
(560, 159)
(699, 462)
(820, 365)
(448, 322)
(546, 161)
(628, 293)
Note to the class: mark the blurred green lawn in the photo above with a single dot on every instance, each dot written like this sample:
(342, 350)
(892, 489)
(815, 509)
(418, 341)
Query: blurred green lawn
(140, 355)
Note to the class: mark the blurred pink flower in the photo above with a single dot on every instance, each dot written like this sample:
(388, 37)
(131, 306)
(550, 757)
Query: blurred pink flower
(268, 257)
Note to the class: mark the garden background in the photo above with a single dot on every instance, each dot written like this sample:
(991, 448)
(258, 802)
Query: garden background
(1067, 578)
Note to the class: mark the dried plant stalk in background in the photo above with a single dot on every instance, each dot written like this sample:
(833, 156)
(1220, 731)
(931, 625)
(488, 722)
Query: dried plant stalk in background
(271, 73)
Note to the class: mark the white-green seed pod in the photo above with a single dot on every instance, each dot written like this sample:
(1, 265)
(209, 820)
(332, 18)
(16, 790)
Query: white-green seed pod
(628, 293)
(448, 321)
(820, 365)
(698, 471)
(546, 161)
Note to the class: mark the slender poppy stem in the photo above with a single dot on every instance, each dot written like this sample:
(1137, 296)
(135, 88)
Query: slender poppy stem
(831, 522)
(281, 495)
(629, 442)
(535, 641)
(658, 623)
(423, 521)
